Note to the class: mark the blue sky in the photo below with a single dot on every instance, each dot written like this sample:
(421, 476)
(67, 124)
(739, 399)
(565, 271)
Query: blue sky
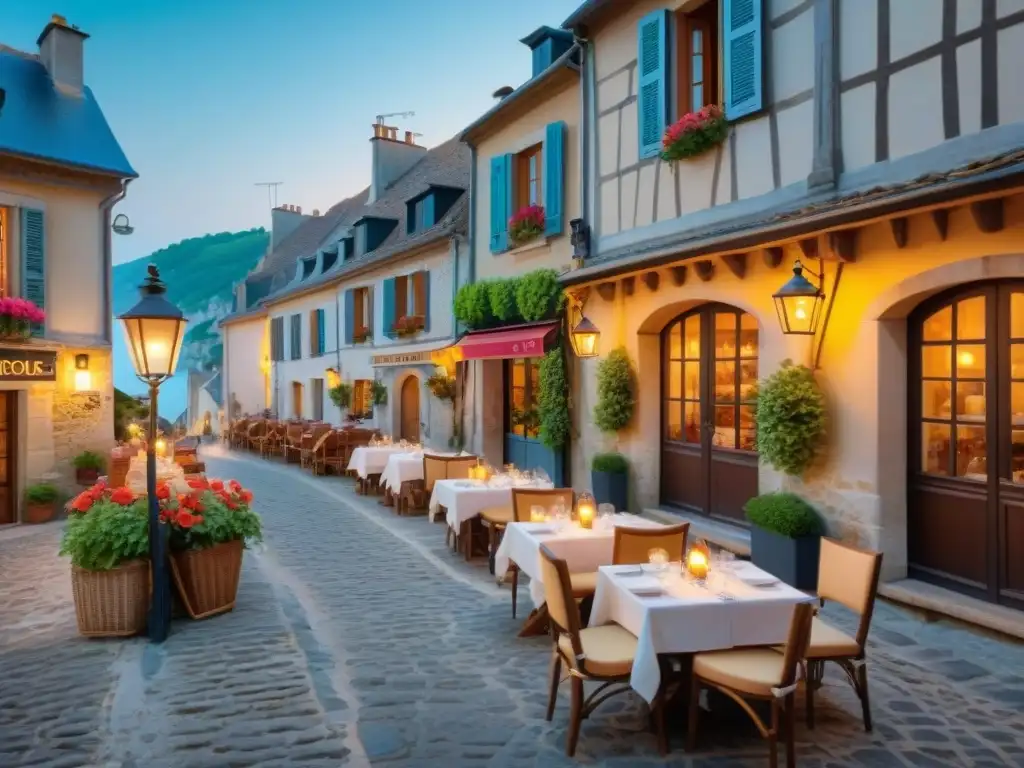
(209, 97)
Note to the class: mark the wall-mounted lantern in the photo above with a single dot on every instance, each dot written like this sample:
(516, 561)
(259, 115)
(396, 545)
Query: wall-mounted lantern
(799, 302)
(83, 379)
(583, 334)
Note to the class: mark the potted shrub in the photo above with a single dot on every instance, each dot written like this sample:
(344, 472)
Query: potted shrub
(40, 502)
(107, 539)
(209, 528)
(378, 392)
(785, 538)
(88, 466)
(341, 395)
(609, 477)
(616, 398)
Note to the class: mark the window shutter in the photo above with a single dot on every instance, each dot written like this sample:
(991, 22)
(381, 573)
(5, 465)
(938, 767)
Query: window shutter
(321, 331)
(314, 333)
(33, 261)
(554, 178)
(368, 310)
(350, 316)
(425, 283)
(501, 173)
(427, 207)
(389, 307)
(744, 57)
(652, 108)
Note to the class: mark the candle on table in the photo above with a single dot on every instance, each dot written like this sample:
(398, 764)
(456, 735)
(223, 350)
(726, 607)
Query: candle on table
(586, 510)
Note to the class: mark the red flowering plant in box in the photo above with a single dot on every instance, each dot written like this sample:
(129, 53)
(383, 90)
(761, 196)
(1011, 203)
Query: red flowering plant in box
(17, 316)
(212, 512)
(106, 527)
(694, 133)
(527, 224)
(408, 325)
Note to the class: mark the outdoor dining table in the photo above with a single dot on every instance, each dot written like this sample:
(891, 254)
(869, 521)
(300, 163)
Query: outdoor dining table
(406, 468)
(738, 605)
(370, 460)
(465, 499)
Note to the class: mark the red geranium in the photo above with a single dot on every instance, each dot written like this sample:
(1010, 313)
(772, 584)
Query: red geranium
(122, 496)
(526, 224)
(83, 502)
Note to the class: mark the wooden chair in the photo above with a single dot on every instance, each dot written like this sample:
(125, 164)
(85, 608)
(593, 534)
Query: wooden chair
(583, 584)
(848, 576)
(257, 430)
(270, 443)
(603, 654)
(329, 445)
(761, 674)
(309, 442)
(632, 545)
(415, 494)
(239, 432)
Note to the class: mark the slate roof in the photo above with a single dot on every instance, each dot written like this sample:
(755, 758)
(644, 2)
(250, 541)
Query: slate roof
(40, 122)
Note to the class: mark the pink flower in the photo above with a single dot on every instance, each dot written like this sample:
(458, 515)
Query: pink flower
(531, 215)
(21, 309)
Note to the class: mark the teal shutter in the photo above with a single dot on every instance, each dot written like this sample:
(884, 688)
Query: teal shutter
(389, 307)
(33, 261)
(554, 178)
(321, 331)
(350, 316)
(426, 300)
(652, 107)
(428, 212)
(501, 179)
(744, 57)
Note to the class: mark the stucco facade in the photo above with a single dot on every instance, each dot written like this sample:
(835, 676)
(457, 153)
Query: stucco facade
(245, 377)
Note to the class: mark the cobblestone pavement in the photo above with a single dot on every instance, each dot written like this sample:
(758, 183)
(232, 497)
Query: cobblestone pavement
(358, 639)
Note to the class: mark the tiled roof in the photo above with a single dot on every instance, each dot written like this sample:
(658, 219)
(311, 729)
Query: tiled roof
(40, 122)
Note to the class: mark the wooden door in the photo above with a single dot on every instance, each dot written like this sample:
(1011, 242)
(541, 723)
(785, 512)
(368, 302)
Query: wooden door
(709, 378)
(965, 509)
(410, 418)
(297, 399)
(8, 450)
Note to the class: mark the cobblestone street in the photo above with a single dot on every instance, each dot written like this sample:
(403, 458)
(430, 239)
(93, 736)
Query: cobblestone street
(358, 639)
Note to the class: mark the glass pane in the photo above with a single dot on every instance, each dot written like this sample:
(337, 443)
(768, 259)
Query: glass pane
(691, 335)
(748, 335)
(698, 70)
(748, 378)
(692, 381)
(725, 382)
(675, 342)
(697, 97)
(1017, 361)
(935, 361)
(518, 374)
(938, 327)
(748, 428)
(935, 449)
(693, 422)
(1017, 403)
(725, 426)
(970, 401)
(534, 193)
(518, 397)
(971, 458)
(698, 41)
(970, 361)
(725, 334)
(1017, 315)
(935, 403)
(970, 318)
(1017, 456)
(675, 379)
(673, 420)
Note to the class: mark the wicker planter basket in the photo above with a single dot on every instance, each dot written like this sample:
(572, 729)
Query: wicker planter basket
(111, 603)
(207, 579)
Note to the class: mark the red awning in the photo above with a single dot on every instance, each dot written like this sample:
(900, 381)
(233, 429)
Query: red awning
(503, 343)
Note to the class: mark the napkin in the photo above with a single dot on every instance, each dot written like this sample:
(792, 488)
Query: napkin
(753, 576)
(643, 585)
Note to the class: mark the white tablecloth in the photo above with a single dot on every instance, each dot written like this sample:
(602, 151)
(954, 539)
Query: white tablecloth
(465, 499)
(406, 467)
(368, 460)
(584, 551)
(689, 618)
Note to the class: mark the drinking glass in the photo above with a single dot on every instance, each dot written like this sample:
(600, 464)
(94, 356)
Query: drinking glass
(560, 515)
(538, 514)
(657, 560)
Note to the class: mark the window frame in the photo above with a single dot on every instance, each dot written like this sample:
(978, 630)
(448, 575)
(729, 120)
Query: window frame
(531, 398)
(295, 344)
(410, 296)
(5, 239)
(362, 390)
(685, 22)
(524, 177)
(361, 310)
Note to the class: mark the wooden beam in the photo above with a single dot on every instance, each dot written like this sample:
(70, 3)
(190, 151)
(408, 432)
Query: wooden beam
(772, 256)
(628, 285)
(678, 274)
(606, 291)
(940, 218)
(988, 215)
(651, 280)
(737, 264)
(900, 231)
(809, 247)
(843, 244)
(705, 269)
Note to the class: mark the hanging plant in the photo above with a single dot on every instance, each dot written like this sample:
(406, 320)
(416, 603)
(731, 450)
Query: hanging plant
(527, 224)
(694, 133)
(341, 395)
(616, 388)
(378, 392)
(790, 418)
(538, 295)
(553, 406)
(442, 386)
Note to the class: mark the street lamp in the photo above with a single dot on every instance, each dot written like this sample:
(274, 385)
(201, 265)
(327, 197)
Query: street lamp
(798, 303)
(585, 336)
(153, 330)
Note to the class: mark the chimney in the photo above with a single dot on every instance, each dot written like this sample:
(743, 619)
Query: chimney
(503, 93)
(392, 157)
(61, 51)
(284, 221)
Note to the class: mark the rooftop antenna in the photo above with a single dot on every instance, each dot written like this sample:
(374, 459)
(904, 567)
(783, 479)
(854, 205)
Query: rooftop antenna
(380, 118)
(271, 190)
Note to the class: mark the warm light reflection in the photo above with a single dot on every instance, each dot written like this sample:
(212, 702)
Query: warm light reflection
(586, 510)
(161, 447)
(966, 359)
(83, 381)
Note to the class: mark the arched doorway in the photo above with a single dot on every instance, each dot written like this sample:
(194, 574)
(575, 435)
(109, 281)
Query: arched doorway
(965, 506)
(409, 420)
(709, 379)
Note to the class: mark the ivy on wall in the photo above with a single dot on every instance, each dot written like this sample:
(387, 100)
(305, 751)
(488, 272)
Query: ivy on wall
(790, 418)
(616, 391)
(553, 407)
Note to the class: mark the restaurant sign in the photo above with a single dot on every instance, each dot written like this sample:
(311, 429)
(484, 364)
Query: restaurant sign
(27, 365)
(422, 357)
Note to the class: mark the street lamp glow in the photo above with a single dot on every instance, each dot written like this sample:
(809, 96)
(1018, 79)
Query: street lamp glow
(798, 304)
(585, 337)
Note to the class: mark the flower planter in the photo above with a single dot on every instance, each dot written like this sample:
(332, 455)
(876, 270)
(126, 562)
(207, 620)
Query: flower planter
(111, 603)
(611, 488)
(794, 561)
(87, 476)
(39, 513)
(207, 579)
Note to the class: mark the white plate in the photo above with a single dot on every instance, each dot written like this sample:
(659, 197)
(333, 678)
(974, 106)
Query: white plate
(757, 579)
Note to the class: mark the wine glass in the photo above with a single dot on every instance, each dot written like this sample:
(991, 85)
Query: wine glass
(657, 560)
(538, 514)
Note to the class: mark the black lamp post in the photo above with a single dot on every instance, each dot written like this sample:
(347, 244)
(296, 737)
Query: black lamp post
(153, 330)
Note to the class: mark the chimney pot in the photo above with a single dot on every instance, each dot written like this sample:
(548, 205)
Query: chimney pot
(408, 138)
(316, 211)
(61, 52)
(298, 209)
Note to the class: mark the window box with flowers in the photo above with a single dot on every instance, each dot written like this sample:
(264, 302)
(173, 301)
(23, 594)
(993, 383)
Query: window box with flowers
(526, 225)
(409, 325)
(694, 134)
(360, 335)
(17, 318)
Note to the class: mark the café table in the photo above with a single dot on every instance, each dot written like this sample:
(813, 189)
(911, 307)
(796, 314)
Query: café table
(737, 605)
(406, 468)
(371, 459)
(465, 499)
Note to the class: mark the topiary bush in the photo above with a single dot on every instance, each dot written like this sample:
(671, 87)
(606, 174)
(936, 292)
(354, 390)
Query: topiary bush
(538, 295)
(612, 463)
(553, 407)
(785, 514)
(790, 418)
(341, 395)
(616, 392)
(472, 305)
(502, 299)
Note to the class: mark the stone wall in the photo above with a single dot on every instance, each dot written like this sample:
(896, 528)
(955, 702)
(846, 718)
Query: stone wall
(83, 420)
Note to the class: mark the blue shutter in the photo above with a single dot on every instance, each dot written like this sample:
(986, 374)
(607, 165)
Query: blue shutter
(554, 178)
(652, 107)
(33, 261)
(501, 179)
(427, 206)
(389, 307)
(321, 330)
(742, 44)
(350, 315)
(426, 300)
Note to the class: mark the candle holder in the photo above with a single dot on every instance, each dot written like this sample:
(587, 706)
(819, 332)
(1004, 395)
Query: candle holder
(586, 510)
(698, 560)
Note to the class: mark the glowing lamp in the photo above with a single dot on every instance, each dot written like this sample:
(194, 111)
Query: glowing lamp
(585, 337)
(161, 447)
(798, 304)
(83, 381)
(153, 329)
(586, 510)
(698, 560)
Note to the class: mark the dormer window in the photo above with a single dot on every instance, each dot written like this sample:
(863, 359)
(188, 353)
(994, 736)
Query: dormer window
(428, 208)
(371, 231)
(348, 248)
(308, 265)
(330, 258)
(548, 46)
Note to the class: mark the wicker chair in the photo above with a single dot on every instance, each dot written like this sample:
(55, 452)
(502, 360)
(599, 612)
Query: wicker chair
(327, 448)
(270, 443)
(291, 446)
(255, 434)
(238, 433)
(310, 440)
